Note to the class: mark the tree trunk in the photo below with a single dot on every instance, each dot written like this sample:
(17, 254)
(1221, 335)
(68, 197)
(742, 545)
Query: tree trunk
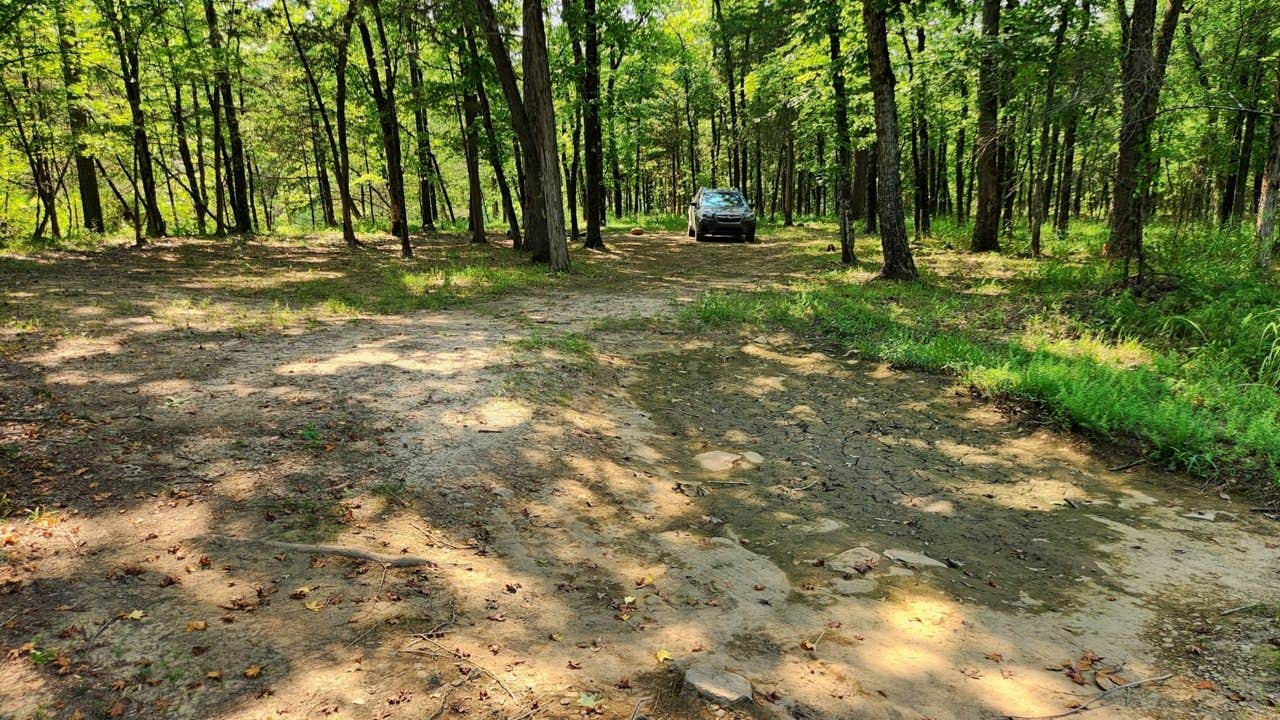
(1265, 225)
(1141, 76)
(961, 209)
(1042, 174)
(540, 105)
(986, 221)
(384, 99)
(898, 263)
(338, 142)
(78, 119)
(592, 137)
(240, 199)
(495, 155)
(131, 72)
(422, 143)
(844, 203)
(533, 203)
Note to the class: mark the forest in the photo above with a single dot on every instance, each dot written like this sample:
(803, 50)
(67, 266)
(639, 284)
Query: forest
(184, 118)
(378, 359)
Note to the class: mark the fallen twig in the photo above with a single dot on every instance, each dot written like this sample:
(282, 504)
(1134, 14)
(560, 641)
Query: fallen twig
(340, 550)
(1242, 608)
(442, 651)
(101, 630)
(1126, 466)
(433, 537)
(1100, 696)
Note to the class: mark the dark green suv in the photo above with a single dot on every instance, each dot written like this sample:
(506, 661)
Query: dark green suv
(721, 212)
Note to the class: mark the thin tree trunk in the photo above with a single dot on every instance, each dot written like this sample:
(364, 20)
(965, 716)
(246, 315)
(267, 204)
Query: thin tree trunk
(491, 136)
(1265, 224)
(898, 263)
(844, 203)
(1142, 74)
(384, 99)
(986, 222)
(78, 119)
(240, 197)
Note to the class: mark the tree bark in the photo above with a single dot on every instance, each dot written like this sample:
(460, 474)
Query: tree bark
(422, 142)
(540, 105)
(337, 139)
(986, 221)
(240, 199)
(1141, 76)
(491, 136)
(384, 99)
(898, 263)
(592, 139)
(844, 146)
(1265, 223)
(78, 119)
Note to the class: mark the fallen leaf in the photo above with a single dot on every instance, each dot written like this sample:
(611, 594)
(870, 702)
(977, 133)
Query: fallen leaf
(253, 671)
(116, 709)
(314, 605)
(197, 625)
(137, 615)
(214, 675)
(663, 656)
(1205, 685)
(994, 657)
(588, 700)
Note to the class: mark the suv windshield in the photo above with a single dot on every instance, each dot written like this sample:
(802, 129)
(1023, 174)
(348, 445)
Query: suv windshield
(723, 200)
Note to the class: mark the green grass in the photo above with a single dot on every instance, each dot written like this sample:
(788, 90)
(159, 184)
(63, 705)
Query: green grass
(1189, 367)
(569, 344)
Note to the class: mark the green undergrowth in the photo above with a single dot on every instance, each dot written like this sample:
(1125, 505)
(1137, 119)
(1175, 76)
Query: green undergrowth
(1188, 366)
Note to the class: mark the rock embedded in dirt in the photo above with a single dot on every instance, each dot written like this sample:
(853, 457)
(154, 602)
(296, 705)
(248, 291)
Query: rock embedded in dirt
(717, 460)
(753, 457)
(717, 685)
(855, 586)
(819, 526)
(857, 561)
(910, 558)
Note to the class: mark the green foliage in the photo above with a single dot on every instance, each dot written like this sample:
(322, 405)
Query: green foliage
(1190, 372)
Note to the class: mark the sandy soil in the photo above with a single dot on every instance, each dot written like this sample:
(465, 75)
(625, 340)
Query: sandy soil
(539, 538)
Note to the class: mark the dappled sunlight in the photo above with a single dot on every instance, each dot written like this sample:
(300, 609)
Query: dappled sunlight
(418, 512)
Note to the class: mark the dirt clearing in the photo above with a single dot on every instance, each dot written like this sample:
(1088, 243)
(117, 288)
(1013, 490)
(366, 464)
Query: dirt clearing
(561, 502)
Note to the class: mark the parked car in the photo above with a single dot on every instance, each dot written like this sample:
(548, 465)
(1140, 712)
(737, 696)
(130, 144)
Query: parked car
(721, 212)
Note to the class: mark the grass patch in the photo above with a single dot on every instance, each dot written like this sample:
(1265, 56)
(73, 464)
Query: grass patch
(570, 344)
(1189, 368)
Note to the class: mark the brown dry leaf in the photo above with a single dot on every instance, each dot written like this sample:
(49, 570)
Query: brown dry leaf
(253, 671)
(116, 709)
(214, 675)
(197, 625)
(1205, 685)
(314, 605)
(994, 657)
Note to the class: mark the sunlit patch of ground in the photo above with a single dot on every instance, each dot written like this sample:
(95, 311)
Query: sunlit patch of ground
(491, 507)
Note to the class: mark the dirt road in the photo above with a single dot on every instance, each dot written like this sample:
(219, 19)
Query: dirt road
(532, 524)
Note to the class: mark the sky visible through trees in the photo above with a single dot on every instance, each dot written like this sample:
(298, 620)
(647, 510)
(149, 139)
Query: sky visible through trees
(186, 117)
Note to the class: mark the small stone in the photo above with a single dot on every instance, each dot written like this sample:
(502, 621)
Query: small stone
(1209, 515)
(819, 526)
(911, 558)
(856, 586)
(717, 460)
(856, 561)
(718, 685)
(753, 457)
